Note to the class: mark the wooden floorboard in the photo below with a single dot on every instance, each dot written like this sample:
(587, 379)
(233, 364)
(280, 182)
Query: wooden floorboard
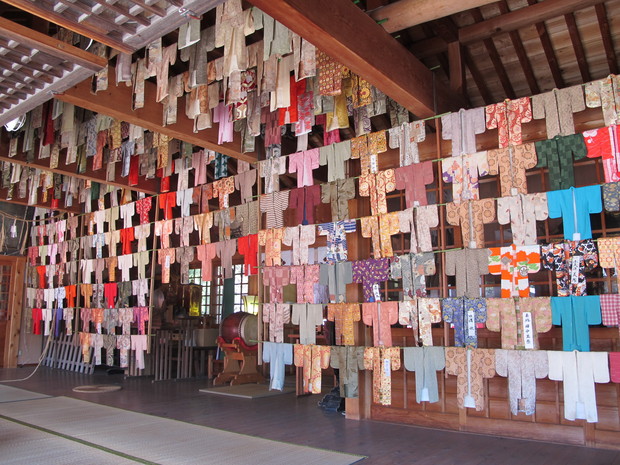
(300, 421)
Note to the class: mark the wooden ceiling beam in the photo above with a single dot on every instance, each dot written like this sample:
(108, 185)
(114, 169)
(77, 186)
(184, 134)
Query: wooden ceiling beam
(47, 44)
(123, 11)
(342, 30)
(116, 102)
(428, 47)
(575, 39)
(150, 8)
(523, 17)
(75, 208)
(84, 29)
(524, 60)
(148, 186)
(547, 46)
(109, 23)
(601, 15)
(495, 59)
(408, 13)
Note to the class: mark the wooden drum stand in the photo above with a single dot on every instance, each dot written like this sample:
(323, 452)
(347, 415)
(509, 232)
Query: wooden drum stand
(240, 363)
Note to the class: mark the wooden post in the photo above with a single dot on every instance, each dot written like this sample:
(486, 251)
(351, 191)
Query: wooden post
(152, 284)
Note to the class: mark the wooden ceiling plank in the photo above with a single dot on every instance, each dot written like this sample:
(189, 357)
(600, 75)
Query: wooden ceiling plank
(127, 28)
(30, 66)
(495, 59)
(408, 13)
(21, 94)
(575, 39)
(523, 17)
(151, 8)
(177, 3)
(18, 78)
(61, 20)
(601, 15)
(477, 77)
(545, 40)
(4, 106)
(366, 48)
(116, 102)
(524, 60)
(123, 11)
(50, 45)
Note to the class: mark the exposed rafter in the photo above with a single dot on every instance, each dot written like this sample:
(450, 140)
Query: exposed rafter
(547, 46)
(575, 39)
(340, 28)
(523, 17)
(50, 45)
(408, 13)
(612, 61)
(116, 102)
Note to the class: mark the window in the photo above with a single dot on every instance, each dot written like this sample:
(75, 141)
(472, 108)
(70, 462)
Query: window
(240, 289)
(195, 277)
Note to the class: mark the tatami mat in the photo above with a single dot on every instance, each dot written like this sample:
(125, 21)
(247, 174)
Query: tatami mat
(22, 445)
(162, 440)
(12, 394)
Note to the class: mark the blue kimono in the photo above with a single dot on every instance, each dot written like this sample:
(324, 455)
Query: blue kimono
(574, 205)
(575, 314)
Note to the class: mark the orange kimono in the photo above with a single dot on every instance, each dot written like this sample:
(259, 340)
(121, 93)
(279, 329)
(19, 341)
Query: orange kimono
(313, 359)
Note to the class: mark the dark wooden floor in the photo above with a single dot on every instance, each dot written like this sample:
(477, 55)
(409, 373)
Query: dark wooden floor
(300, 421)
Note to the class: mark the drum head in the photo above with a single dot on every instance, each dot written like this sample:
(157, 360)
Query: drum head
(249, 329)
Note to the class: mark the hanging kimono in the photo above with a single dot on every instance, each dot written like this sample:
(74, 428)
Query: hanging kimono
(382, 360)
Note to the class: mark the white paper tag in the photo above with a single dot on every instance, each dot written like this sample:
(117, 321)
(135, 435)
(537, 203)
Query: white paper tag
(577, 236)
(386, 367)
(528, 330)
(424, 395)
(574, 271)
(471, 323)
(514, 191)
(472, 244)
(167, 262)
(374, 163)
(376, 292)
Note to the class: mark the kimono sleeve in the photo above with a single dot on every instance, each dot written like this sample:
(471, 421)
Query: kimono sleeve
(324, 354)
(296, 313)
(503, 209)
(331, 313)
(539, 202)
(357, 269)
(593, 94)
(538, 106)
(326, 193)
(268, 309)
(427, 172)
(359, 357)
(446, 126)
(580, 149)
(289, 234)
(410, 356)
(367, 312)
(488, 210)
(452, 213)
(479, 120)
(539, 360)
(295, 161)
(368, 357)
(557, 307)
(268, 348)
(337, 353)
(450, 267)
(493, 160)
(316, 314)
(438, 357)
(593, 309)
(555, 359)
(323, 154)
(314, 158)
(287, 352)
(501, 362)
(394, 137)
(593, 194)
(576, 98)
(600, 365)
(491, 115)
(394, 354)
(392, 311)
(401, 177)
(482, 259)
(262, 237)
(488, 363)
(493, 322)
(542, 313)
(447, 308)
(298, 355)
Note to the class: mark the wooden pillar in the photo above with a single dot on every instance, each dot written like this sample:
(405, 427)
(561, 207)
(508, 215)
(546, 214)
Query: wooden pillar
(457, 69)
